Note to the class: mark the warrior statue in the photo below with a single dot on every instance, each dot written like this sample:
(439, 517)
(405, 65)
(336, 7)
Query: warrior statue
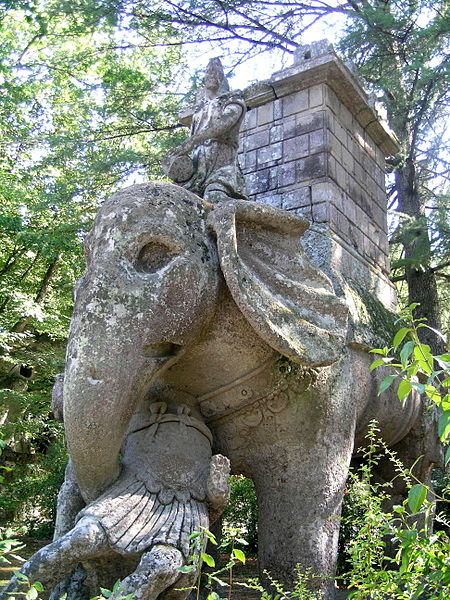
(214, 172)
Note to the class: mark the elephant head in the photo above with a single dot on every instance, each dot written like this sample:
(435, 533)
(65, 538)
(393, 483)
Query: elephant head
(157, 258)
(149, 286)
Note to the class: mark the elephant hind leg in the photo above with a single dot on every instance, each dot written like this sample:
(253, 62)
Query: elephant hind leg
(157, 571)
(53, 563)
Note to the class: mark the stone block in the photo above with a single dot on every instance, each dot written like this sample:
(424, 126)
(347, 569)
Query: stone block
(358, 133)
(296, 147)
(332, 100)
(258, 182)
(274, 199)
(269, 154)
(297, 198)
(265, 114)
(287, 174)
(334, 146)
(309, 122)
(336, 220)
(330, 121)
(276, 133)
(356, 239)
(311, 167)
(384, 245)
(324, 191)
(349, 210)
(359, 173)
(340, 132)
(345, 117)
(256, 140)
(249, 120)
(380, 177)
(316, 140)
(304, 211)
(274, 178)
(362, 220)
(332, 162)
(380, 198)
(369, 144)
(316, 96)
(307, 52)
(321, 212)
(379, 157)
(277, 109)
(380, 218)
(348, 161)
(289, 127)
(340, 176)
(295, 103)
(249, 161)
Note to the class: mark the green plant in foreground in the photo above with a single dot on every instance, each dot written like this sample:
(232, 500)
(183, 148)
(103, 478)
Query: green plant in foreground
(223, 577)
(420, 569)
(417, 369)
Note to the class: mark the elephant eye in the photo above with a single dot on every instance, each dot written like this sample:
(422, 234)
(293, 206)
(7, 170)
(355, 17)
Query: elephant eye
(153, 256)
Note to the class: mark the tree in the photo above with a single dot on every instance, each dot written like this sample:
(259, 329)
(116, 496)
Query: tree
(82, 109)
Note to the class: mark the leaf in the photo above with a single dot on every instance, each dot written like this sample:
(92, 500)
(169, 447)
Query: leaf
(209, 534)
(399, 337)
(239, 555)
(416, 497)
(418, 386)
(433, 394)
(404, 389)
(406, 352)
(32, 594)
(208, 559)
(241, 541)
(213, 596)
(384, 351)
(444, 426)
(376, 363)
(186, 569)
(38, 585)
(386, 383)
(447, 456)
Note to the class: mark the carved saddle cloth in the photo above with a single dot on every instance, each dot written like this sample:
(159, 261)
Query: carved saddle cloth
(160, 496)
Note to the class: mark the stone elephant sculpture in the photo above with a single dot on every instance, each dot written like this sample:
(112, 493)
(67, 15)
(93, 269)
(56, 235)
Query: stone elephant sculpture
(218, 308)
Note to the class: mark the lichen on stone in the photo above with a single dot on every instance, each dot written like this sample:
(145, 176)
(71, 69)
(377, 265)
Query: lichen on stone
(373, 325)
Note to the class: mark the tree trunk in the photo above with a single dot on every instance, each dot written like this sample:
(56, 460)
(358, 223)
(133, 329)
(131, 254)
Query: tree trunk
(20, 326)
(420, 277)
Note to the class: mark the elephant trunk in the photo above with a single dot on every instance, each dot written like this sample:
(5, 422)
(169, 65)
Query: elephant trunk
(104, 382)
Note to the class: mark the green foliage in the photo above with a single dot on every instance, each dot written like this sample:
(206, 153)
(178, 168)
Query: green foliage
(241, 511)
(421, 566)
(88, 102)
(416, 368)
(222, 579)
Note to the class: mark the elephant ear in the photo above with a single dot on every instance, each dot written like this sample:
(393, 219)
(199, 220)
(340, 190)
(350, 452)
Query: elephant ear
(289, 302)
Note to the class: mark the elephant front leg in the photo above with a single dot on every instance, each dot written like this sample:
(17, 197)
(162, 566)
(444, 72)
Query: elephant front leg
(299, 501)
